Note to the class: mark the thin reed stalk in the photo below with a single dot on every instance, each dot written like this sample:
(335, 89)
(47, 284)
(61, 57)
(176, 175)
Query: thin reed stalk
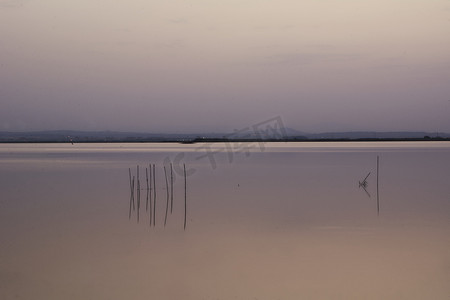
(129, 174)
(132, 197)
(138, 187)
(185, 197)
(378, 198)
(132, 188)
(131, 193)
(154, 195)
(167, 196)
(171, 188)
(150, 192)
(146, 180)
(134, 181)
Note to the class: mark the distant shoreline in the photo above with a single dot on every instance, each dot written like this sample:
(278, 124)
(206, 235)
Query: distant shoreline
(221, 140)
(270, 134)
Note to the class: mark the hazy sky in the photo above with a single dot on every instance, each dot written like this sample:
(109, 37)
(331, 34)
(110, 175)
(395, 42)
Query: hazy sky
(209, 65)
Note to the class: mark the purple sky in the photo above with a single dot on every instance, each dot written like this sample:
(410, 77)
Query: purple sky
(207, 65)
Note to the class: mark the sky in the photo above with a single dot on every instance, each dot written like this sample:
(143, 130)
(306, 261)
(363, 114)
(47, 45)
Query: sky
(214, 66)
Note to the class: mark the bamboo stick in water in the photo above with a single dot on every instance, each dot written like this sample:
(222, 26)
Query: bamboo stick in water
(150, 192)
(171, 188)
(138, 187)
(131, 193)
(154, 195)
(185, 197)
(167, 196)
(378, 198)
(131, 198)
(146, 181)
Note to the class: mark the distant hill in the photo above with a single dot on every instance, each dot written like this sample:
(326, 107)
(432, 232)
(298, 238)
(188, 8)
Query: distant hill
(89, 136)
(376, 135)
(60, 136)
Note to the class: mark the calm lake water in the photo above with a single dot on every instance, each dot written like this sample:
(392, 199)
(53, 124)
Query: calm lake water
(269, 221)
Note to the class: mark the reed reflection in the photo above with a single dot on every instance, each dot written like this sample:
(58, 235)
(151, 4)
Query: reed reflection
(151, 195)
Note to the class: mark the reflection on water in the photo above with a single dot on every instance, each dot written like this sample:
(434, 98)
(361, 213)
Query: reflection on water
(150, 200)
(364, 184)
(378, 195)
(287, 223)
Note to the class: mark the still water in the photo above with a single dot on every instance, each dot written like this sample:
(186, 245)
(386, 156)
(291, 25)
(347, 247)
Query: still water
(263, 221)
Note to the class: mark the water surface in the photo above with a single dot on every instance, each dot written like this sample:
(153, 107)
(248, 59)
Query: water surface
(269, 221)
